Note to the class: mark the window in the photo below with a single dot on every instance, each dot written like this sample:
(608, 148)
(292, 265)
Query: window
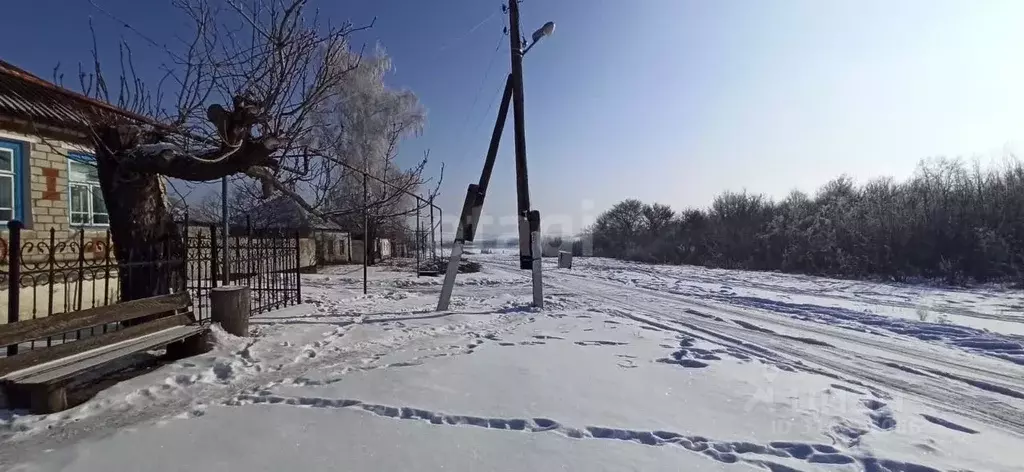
(87, 206)
(10, 181)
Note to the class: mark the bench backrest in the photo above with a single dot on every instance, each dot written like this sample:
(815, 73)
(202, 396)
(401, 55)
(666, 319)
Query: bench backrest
(173, 308)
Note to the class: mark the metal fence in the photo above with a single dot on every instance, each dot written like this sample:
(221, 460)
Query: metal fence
(43, 273)
(268, 261)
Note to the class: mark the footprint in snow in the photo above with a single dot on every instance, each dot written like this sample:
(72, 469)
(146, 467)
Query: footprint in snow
(600, 343)
(689, 363)
(847, 389)
(880, 414)
(948, 424)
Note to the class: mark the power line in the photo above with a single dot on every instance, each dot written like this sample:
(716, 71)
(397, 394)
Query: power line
(461, 135)
(483, 81)
(467, 33)
(494, 100)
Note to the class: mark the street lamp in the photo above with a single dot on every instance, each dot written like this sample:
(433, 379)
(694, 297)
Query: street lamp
(541, 32)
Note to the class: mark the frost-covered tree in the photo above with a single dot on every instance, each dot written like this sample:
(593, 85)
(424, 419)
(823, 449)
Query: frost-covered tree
(947, 221)
(363, 125)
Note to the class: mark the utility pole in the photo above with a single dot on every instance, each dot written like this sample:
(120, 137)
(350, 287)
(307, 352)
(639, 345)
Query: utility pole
(366, 229)
(433, 242)
(519, 124)
(419, 236)
(474, 203)
(529, 220)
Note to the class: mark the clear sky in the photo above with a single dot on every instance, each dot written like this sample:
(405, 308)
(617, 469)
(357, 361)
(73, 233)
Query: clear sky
(671, 101)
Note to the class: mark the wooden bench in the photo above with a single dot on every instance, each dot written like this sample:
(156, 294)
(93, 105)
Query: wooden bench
(37, 378)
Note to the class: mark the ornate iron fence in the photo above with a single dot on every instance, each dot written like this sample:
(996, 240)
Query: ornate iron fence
(43, 273)
(268, 261)
(51, 272)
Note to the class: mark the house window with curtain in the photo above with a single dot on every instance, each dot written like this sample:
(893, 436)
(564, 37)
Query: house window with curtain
(10, 181)
(84, 194)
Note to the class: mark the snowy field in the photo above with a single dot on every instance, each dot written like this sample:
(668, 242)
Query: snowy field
(628, 367)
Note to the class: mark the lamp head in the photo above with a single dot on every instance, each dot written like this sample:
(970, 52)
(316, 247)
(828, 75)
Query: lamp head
(545, 30)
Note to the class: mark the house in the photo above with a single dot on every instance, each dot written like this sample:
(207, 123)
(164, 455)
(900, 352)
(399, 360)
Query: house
(283, 213)
(334, 244)
(49, 183)
(48, 177)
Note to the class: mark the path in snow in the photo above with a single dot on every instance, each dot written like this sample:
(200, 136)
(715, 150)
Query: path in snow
(985, 320)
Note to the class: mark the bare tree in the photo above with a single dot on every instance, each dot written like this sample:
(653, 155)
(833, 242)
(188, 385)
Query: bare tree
(245, 89)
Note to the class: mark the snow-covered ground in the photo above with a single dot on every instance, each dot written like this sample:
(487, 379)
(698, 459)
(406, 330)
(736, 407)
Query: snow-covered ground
(989, 320)
(628, 367)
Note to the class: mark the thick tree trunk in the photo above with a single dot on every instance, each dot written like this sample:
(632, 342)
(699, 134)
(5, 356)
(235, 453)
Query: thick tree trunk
(147, 242)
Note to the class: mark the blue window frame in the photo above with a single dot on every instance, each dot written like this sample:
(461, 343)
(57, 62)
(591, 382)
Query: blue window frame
(11, 182)
(85, 199)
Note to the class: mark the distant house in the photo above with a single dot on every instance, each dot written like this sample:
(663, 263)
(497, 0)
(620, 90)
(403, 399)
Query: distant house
(282, 213)
(48, 177)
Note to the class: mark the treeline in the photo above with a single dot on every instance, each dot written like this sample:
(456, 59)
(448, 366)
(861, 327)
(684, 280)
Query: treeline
(949, 220)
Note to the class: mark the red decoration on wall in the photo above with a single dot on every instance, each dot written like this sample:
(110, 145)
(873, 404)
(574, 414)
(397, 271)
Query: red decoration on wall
(51, 192)
(99, 247)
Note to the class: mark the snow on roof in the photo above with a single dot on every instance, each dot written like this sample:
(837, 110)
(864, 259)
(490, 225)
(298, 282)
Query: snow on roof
(282, 211)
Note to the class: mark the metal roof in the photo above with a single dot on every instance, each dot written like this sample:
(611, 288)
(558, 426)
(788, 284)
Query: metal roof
(281, 211)
(26, 96)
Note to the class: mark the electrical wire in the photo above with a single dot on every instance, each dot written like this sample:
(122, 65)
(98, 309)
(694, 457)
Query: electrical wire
(496, 99)
(483, 81)
(467, 33)
(462, 129)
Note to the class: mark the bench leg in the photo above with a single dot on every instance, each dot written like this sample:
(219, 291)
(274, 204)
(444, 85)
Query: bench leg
(47, 399)
(15, 397)
(189, 347)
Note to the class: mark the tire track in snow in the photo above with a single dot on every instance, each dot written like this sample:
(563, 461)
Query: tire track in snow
(817, 329)
(820, 292)
(748, 307)
(942, 394)
(722, 451)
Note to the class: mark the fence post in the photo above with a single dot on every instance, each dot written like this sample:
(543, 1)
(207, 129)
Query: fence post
(106, 273)
(298, 268)
(248, 247)
(213, 256)
(81, 268)
(13, 277)
(184, 254)
(51, 277)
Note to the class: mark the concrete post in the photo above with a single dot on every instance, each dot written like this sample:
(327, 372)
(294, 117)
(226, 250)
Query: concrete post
(229, 306)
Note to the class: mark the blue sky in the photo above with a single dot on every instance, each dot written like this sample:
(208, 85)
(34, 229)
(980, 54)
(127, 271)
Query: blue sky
(671, 101)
